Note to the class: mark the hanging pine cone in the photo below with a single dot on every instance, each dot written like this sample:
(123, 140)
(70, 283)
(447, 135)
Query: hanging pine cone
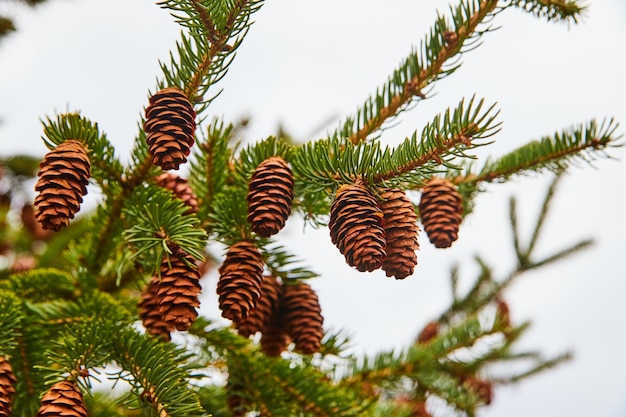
(266, 308)
(401, 231)
(63, 177)
(269, 197)
(63, 399)
(441, 210)
(241, 277)
(356, 227)
(169, 126)
(181, 189)
(274, 339)
(429, 332)
(302, 317)
(7, 387)
(149, 311)
(178, 289)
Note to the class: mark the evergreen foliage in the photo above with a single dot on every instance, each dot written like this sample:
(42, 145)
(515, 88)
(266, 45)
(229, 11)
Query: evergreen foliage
(72, 314)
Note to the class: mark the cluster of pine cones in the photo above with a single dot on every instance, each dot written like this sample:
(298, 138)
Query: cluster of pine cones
(372, 229)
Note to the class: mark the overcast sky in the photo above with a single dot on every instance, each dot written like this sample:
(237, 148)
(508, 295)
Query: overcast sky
(307, 62)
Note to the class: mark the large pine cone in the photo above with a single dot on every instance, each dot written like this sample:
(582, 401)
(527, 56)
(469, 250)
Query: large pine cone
(356, 227)
(63, 399)
(302, 317)
(265, 310)
(7, 387)
(149, 311)
(401, 231)
(270, 196)
(181, 189)
(241, 277)
(170, 124)
(63, 177)
(177, 291)
(441, 210)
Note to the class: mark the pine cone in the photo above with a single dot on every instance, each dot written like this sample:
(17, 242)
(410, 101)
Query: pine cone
(429, 332)
(441, 210)
(356, 227)
(177, 291)
(266, 308)
(401, 231)
(241, 277)
(269, 197)
(302, 316)
(181, 189)
(149, 311)
(7, 389)
(63, 177)
(63, 399)
(169, 126)
(274, 339)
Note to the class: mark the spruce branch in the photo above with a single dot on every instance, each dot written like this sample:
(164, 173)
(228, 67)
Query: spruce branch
(568, 11)
(10, 320)
(160, 224)
(284, 265)
(157, 373)
(228, 221)
(447, 137)
(425, 65)
(582, 143)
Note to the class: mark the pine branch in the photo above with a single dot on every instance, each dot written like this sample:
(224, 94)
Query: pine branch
(283, 264)
(39, 285)
(431, 62)
(157, 374)
(10, 321)
(560, 10)
(583, 143)
(447, 137)
(161, 223)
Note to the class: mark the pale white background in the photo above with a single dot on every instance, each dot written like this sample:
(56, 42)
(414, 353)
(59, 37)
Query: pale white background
(307, 61)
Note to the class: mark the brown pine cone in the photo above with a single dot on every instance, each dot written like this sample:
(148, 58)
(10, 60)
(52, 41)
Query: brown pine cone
(429, 332)
(356, 227)
(63, 177)
(441, 210)
(149, 311)
(266, 308)
(180, 188)
(274, 339)
(177, 291)
(270, 194)
(302, 317)
(401, 231)
(7, 387)
(63, 399)
(170, 125)
(239, 284)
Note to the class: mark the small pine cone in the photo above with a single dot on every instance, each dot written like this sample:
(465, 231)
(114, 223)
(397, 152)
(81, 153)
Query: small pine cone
(274, 340)
(266, 308)
(239, 284)
(270, 193)
(401, 231)
(356, 227)
(177, 291)
(441, 210)
(63, 177)
(302, 316)
(149, 311)
(482, 388)
(7, 387)
(181, 189)
(170, 125)
(63, 399)
(429, 332)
